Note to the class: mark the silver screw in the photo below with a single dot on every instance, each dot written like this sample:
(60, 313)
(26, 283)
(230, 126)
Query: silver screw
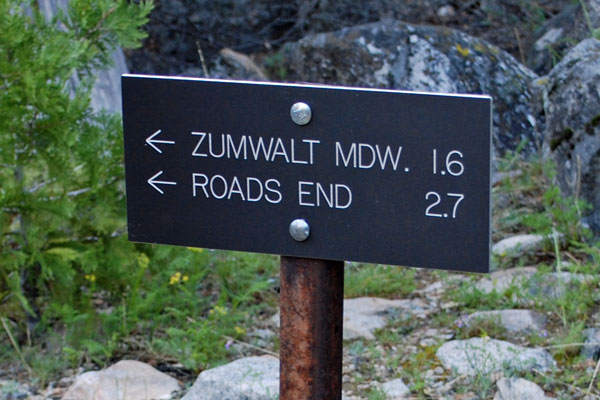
(301, 113)
(299, 230)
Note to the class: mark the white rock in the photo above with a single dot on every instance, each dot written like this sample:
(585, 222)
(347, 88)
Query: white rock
(482, 356)
(518, 388)
(522, 321)
(502, 280)
(250, 378)
(395, 389)
(125, 380)
(517, 245)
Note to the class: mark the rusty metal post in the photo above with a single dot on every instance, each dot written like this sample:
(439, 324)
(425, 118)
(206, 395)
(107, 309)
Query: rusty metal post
(311, 304)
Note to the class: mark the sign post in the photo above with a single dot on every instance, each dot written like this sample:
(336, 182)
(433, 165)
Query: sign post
(310, 352)
(318, 175)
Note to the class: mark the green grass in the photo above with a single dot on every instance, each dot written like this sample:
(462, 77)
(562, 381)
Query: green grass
(183, 305)
(378, 280)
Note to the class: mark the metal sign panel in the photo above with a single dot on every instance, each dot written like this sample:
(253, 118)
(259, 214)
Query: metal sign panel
(370, 175)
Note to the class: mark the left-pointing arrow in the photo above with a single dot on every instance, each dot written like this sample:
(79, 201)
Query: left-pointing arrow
(152, 142)
(153, 182)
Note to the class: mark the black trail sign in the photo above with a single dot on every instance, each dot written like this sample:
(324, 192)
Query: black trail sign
(354, 174)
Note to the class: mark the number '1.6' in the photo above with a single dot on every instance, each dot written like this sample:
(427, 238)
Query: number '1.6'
(453, 164)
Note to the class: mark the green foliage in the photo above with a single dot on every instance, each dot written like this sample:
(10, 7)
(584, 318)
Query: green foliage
(197, 301)
(560, 213)
(61, 193)
(275, 65)
(376, 394)
(528, 200)
(471, 298)
(483, 327)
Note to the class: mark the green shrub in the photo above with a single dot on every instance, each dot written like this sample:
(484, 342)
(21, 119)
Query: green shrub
(62, 207)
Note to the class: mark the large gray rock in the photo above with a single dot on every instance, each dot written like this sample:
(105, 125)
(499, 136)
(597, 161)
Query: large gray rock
(250, 378)
(558, 35)
(393, 54)
(518, 388)
(517, 321)
(125, 380)
(572, 113)
(482, 356)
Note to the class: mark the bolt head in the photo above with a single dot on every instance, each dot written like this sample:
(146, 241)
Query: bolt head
(299, 230)
(301, 113)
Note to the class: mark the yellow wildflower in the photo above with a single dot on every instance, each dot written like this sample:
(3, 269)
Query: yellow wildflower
(240, 331)
(195, 249)
(90, 277)
(185, 278)
(143, 260)
(219, 310)
(462, 50)
(175, 278)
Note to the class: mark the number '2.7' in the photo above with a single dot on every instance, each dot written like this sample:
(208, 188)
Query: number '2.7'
(434, 208)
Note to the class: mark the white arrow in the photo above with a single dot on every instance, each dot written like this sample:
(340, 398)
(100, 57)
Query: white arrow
(151, 141)
(153, 183)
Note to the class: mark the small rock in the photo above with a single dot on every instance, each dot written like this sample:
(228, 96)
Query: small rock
(234, 65)
(476, 356)
(446, 11)
(556, 284)
(467, 396)
(125, 380)
(262, 337)
(552, 285)
(518, 245)
(395, 389)
(498, 177)
(520, 321)
(364, 315)
(427, 342)
(250, 378)
(518, 388)
(592, 339)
